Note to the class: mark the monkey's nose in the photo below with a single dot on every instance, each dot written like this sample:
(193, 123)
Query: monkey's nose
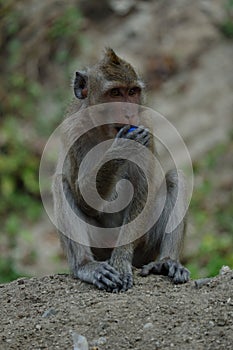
(127, 117)
(131, 119)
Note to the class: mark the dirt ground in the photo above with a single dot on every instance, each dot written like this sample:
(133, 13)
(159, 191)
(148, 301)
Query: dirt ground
(42, 313)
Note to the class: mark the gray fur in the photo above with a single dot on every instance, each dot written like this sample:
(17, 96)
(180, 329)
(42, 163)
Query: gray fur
(156, 251)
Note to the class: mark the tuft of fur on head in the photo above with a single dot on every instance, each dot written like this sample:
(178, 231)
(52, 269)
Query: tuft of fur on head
(111, 56)
(115, 68)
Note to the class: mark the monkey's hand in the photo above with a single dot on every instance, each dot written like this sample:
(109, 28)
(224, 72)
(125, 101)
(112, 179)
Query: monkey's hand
(139, 134)
(167, 267)
(106, 277)
(126, 275)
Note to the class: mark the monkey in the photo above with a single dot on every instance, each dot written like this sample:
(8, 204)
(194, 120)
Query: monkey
(110, 80)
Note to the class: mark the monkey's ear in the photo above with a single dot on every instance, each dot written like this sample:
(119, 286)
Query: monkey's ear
(80, 85)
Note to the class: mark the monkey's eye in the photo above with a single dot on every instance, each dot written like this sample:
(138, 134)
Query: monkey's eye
(115, 92)
(135, 90)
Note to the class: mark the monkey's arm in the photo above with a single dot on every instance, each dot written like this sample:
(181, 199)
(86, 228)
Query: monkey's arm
(80, 258)
(100, 179)
(122, 255)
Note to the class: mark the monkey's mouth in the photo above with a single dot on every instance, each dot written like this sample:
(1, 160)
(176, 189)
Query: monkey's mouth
(118, 128)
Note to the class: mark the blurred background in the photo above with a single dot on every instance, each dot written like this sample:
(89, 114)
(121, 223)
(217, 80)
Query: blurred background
(183, 49)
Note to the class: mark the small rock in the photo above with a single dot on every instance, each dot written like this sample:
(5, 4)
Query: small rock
(21, 281)
(49, 312)
(122, 7)
(101, 341)
(201, 282)
(138, 338)
(224, 269)
(80, 342)
(148, 325)
(221, 322)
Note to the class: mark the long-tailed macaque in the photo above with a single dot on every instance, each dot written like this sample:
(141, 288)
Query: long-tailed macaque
(113, 79)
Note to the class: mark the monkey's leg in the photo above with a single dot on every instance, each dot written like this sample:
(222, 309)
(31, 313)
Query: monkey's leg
(170, 244)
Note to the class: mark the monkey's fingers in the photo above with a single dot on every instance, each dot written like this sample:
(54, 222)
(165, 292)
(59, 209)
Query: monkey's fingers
(127, 283)
(123, 131)
(144, 137)
(132, 134)
(106, 277)
(113, 275)
(140, 135)
(127, 279)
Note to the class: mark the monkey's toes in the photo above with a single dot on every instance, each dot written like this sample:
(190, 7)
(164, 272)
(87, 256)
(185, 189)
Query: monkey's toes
(152, 267)
(167, 267)
(180, 275)
(107, 278)
(177, 272)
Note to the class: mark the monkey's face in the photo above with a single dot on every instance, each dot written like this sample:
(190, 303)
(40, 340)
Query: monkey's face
(128, 111)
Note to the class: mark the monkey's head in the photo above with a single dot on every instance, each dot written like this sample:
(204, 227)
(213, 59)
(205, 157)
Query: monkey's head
(110, 80)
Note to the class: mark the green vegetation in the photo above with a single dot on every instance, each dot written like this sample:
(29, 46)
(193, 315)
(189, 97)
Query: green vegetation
(212, 213)
(227, 26)
(32, 52)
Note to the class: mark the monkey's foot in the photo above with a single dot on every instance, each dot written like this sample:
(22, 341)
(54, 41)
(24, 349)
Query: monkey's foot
(107, 278)
(167, 267)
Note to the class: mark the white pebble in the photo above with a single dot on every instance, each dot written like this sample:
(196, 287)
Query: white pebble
(148, 325)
